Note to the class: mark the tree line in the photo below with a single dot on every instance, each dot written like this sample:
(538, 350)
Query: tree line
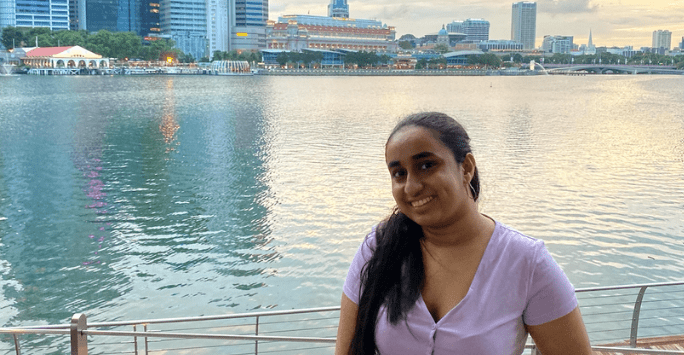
(122, 45)
(254, 57)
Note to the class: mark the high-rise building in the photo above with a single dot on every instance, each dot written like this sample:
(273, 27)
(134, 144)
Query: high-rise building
(7, 14)
(455, 27)
(662, 39)
(338, 8)
(53, 14)
(558, 44)
(218, 25)
(524, 24)
(248, 24)
(128, 17)
(138, 16)
(476, 30)
(149, 19)
(77, 15)
(185, 21)
(101, 15)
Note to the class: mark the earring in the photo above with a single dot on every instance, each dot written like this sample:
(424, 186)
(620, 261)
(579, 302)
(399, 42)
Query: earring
(472, 189)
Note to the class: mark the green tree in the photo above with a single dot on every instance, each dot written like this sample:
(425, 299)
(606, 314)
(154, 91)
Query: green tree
(282, 58)
(125, 45)
(100, 43)
(518, 58)
(442, 48)
(12, 36)
(156, 48)
(46, 40)
(70, 38)
(405, 45)
(218, 55)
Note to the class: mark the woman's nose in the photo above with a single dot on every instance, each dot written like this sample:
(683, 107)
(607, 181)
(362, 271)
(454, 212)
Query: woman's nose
(413, 185)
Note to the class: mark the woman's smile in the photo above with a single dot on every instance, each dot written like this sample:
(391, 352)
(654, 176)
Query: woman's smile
(421, 202)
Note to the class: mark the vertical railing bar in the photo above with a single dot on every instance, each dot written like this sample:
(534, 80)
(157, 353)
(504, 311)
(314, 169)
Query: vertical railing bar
(635, 317)
(256, 342)
(135, 341)
(146, 345)
(16, 344)
(79, 342)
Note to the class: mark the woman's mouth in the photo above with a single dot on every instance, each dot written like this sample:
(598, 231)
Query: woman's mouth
(421, 202)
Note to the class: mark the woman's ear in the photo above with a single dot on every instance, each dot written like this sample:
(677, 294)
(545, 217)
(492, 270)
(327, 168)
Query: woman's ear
(468, 167)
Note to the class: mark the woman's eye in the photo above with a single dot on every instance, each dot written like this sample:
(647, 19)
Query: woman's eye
(398, 174)
(427, 165)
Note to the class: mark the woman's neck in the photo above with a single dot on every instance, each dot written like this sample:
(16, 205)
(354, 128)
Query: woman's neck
(469, 230)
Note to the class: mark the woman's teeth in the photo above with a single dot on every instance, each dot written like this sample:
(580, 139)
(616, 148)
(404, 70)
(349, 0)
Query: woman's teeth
(421, 202)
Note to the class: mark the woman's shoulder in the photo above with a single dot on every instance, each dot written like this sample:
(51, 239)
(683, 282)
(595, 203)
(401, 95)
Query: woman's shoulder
(512, 240)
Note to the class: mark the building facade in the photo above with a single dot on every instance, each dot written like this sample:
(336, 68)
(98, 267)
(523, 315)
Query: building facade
(499, 45)
(524, 24)
(185, 22)
(218, 26)
(338, 8)
(557, 44)
(7, 14)
(248, 24)
(476, 30)
(297, 32)
(52, 14)
(662, 39)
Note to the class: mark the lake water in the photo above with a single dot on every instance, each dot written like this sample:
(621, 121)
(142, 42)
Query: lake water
(169, 196)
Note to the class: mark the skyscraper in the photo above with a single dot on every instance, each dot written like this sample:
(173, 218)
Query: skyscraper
(662, 39)
(476, 30)
(338, 8)
(218, 25)
(53, 14)
(524, 23)
(185, 21)
(7, 14)
(248, 24)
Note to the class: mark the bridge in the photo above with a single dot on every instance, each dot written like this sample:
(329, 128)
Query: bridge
(611, 68)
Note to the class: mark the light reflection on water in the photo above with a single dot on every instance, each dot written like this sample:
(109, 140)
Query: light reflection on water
(179, 196)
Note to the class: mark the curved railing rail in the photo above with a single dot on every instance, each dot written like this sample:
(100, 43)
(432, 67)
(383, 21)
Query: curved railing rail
(621, 318)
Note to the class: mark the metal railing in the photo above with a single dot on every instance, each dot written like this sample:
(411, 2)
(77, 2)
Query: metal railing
(619, 317)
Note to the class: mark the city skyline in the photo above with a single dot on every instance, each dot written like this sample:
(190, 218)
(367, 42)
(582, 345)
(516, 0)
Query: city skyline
(624, 23)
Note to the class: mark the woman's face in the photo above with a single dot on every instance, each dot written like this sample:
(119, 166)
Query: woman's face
(427, 182)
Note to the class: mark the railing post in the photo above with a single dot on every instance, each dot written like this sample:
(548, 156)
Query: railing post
(135, 340)
(146, 345)
(16, 344)
(256, 342)
(635, 317)
(79, 342)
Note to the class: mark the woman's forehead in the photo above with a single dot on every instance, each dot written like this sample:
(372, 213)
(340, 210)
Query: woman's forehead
(412, 140)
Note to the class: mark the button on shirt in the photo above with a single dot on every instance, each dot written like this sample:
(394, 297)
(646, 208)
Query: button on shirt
(516, 283)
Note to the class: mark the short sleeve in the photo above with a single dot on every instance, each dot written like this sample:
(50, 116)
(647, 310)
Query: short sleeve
(352, 285)
(550, 294)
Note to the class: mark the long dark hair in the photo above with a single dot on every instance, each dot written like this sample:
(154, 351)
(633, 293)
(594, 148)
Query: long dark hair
(394, 274)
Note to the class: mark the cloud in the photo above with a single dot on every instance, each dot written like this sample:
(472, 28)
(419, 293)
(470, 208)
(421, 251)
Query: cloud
(565, 6)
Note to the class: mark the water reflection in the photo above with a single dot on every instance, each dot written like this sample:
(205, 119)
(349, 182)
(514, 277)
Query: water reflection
(225, 194)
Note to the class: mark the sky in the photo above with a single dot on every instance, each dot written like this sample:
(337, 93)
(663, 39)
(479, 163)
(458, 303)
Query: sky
(612, 22)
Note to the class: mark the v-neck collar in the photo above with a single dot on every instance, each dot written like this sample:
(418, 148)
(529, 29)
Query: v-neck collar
(473, 285)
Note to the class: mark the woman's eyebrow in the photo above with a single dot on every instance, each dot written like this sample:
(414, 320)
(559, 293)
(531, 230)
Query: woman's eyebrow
(422, 155)
(418, 156)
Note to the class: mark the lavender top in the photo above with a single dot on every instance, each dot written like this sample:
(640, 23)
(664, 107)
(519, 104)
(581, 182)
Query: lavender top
(516, 283)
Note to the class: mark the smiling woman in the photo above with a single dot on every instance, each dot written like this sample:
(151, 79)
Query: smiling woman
(437, 275)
